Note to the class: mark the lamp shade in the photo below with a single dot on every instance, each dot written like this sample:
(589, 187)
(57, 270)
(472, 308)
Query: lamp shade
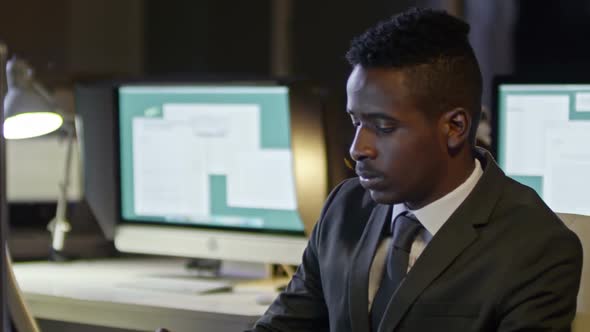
(29, 110)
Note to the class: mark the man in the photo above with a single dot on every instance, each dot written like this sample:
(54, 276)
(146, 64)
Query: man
(432, 236)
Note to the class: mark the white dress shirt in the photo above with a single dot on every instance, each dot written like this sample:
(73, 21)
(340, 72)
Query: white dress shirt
(432, 217)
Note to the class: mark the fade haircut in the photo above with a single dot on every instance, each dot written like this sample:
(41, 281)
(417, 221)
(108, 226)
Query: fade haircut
(433, 48)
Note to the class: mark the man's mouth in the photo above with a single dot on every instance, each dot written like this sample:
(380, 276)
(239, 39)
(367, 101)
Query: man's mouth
(368, 179)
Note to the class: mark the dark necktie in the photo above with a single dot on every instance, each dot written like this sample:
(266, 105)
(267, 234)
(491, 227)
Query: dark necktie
(405, 230)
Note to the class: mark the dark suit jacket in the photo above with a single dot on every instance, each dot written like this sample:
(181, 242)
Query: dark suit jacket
(502, 262)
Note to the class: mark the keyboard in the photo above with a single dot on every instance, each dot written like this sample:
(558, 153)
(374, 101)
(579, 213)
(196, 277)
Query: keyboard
(177, 285)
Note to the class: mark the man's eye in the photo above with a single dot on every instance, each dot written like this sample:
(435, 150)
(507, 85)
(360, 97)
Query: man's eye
(386, 129)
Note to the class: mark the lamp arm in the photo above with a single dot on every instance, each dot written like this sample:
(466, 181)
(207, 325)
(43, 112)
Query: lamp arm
(65, 183)
(59, 226)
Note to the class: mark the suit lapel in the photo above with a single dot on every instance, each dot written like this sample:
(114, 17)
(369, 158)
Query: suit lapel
(358, 281)
(452, 239)
(438, 255)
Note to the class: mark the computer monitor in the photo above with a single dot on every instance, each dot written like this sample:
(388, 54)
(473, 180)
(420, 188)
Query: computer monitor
(542, 136)
(221, 171)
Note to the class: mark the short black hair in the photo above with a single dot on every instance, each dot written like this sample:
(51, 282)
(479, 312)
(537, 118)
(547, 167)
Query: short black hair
(434, 47)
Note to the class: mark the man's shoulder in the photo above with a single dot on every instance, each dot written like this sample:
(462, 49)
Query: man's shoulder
(512, 203)
(524, 211)
(522, 227)
(518, 200)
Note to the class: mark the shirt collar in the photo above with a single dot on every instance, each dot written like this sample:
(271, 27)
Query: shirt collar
(435, 214)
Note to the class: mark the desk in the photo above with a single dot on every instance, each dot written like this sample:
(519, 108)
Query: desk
(87, 292)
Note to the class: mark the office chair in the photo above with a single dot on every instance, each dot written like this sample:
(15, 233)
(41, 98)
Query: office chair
(21, 317)
(581, 226)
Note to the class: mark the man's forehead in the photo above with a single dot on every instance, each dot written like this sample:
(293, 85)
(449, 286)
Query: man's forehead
(357, 80)
(375, 86)
(383, 80)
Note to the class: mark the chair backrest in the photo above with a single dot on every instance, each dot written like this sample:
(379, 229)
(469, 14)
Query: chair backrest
(20, 314)
(581, 226)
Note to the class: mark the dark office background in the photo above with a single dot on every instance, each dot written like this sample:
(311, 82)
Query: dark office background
(68, 41)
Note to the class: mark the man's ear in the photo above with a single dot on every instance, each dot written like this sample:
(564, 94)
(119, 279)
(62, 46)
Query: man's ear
(456, 125)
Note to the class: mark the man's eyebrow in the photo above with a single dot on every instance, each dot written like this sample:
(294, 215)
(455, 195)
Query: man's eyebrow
(372, 115)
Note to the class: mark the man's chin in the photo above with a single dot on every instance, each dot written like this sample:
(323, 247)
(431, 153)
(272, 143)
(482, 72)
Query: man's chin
(386, 198)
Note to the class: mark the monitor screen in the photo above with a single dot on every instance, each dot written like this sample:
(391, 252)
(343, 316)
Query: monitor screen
(542, 139)
(208, 156)
(211, 171)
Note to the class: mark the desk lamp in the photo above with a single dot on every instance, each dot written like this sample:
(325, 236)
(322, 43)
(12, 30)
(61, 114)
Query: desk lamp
(30, 111)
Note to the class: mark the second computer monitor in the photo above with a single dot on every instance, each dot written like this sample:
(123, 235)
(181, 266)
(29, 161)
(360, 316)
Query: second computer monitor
(542, 137)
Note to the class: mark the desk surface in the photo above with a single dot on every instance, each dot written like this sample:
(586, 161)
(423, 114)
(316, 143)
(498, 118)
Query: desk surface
(88, 292)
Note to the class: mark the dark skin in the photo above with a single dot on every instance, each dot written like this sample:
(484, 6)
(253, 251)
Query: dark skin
(405, 153)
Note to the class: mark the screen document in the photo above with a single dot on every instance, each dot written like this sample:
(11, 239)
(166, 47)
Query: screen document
(208, 156)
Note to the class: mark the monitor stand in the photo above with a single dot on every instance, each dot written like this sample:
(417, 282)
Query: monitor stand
(203, 267)
(277, 278)
(247, 276)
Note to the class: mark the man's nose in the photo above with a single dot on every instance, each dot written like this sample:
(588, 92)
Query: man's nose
(362, 146)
